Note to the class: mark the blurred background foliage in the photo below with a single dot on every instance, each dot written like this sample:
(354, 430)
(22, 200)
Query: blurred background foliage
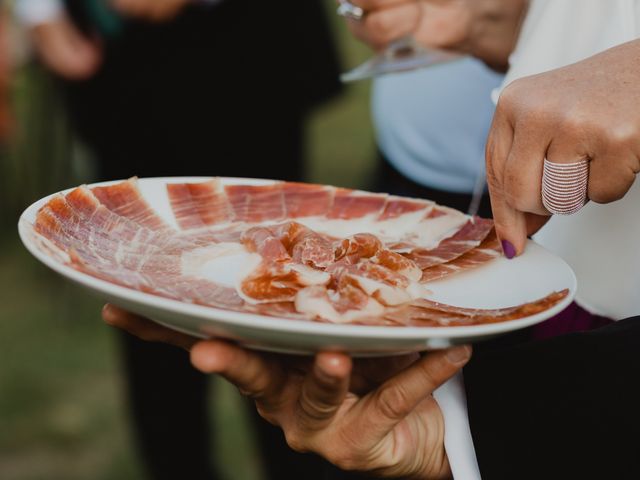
(61, 405)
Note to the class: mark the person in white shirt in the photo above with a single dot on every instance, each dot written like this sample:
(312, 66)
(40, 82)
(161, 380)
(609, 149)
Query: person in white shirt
(559, 408)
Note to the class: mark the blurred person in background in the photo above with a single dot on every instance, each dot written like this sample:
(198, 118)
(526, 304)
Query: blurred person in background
(431, 127)
(432, 123)
(180, 87)
(5, 73)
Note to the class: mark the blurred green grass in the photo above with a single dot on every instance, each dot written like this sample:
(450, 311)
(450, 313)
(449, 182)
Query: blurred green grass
(62, 414)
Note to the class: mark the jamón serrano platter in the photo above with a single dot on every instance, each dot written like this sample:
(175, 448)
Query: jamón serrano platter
(294, 267)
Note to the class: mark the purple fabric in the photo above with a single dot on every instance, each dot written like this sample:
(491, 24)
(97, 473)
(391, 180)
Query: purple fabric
(574, 318)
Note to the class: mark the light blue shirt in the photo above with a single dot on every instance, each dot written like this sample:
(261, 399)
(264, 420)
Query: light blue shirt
(432, 123)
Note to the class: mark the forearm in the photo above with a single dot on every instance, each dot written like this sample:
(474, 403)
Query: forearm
(494, 31)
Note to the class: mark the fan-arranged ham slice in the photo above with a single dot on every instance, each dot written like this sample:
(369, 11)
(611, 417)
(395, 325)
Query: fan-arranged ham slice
(292, 250)
(464, 240)
(425, 313)
(197, 205)
(306, 200)
(487, 250)
(124, 199)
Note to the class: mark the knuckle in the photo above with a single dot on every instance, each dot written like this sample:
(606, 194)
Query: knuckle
(344, 461)
(392, 402)
(314, 412)
(434, 373)
(623, 134)
(379, 27)
(266, 414)
(258, 387)
(513, 198)
(492, 177)
(295, 440)
(607, 194)
(521, 194)
(346, 452)
(574, 125)
(510, 96)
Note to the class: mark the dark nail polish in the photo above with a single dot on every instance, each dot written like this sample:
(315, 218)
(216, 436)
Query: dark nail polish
(508, 249)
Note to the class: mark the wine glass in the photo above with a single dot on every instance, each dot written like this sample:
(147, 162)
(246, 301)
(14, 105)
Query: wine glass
(401, 55)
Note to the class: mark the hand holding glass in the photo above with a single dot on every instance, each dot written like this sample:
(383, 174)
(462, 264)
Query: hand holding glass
(403, 54)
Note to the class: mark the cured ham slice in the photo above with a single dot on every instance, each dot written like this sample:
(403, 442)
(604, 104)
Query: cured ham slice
(125, 199)
(290, 241)
(286, 249)
(306, 246)
(488, 250)
(425, 313)
(89, 252)
(256, 203)
(116, 249)
(397, 263)
(280, 277)
(197, 205)
(305, 200)
(361, 245)
(264, 242)
(397, 206)
(468, 237)
(350, 204)
(378, 282)
(279, 282)
(345, 305)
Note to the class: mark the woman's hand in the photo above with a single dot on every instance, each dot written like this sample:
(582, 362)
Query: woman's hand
(395, 430)
(486, 29)
(381, 420)
(586, 111)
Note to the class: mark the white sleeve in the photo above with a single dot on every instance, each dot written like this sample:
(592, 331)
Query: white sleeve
(36, 12)
(545, 43)
(457, 433)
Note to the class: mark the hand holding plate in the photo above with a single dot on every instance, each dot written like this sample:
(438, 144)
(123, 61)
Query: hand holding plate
(397, 429)
(145, 329)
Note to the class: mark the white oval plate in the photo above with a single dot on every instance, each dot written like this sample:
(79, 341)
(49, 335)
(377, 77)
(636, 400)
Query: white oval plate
(500, 283)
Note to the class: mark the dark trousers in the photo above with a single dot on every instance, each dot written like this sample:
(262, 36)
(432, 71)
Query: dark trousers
(561, 408)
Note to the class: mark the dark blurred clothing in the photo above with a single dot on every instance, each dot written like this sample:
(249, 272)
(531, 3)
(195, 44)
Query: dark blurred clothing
(220, 90)
(572, 319)
(5, 73)
(389, 180)
(561, 408)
